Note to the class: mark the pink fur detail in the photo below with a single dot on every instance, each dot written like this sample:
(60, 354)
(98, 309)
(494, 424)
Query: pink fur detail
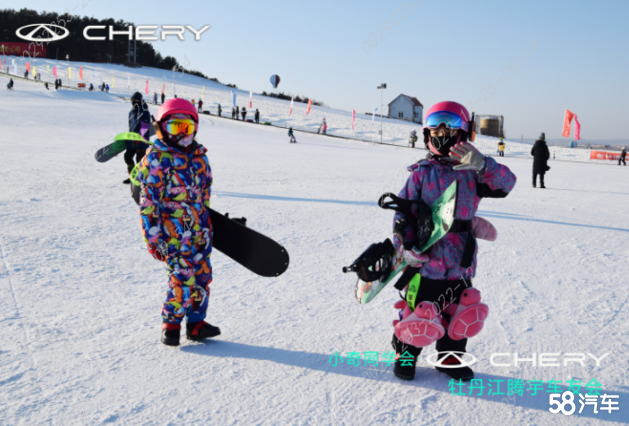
(483, 229)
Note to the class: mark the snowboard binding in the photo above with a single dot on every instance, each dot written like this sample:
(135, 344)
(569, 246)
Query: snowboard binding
(420, 327)
(375, 263)
(420, 229)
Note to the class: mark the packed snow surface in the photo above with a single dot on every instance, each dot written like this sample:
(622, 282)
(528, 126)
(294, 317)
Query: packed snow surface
(80, 324)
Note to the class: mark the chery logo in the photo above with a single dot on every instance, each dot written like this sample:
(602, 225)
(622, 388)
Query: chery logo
(53, 34)
(465, 359)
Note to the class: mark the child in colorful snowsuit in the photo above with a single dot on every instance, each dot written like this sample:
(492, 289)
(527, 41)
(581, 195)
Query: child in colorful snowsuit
(446, 269)
(176, 179)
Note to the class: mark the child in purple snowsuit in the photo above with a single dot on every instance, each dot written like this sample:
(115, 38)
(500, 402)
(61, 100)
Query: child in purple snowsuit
(446, 268)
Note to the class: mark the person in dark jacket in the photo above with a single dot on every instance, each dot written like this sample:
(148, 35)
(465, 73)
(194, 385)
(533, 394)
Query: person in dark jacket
(623, 154)
(233, 113)
(26, 74)
(220, 110)
(139, 122)
(200, 106)
(244, 114)
(540, 154)
(237, 112)
(46, 85)
(163, 98)
(10, 85)
(257, 116)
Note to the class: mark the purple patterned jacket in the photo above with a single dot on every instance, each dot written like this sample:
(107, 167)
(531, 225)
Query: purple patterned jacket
(429, 179)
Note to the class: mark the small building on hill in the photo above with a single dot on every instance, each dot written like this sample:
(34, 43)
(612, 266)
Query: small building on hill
(406, 108)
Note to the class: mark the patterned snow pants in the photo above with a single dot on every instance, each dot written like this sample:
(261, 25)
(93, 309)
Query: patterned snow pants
(188, 290)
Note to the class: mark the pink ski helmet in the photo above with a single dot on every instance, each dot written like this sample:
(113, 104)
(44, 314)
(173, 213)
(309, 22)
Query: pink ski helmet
(176, 106)
(454, 116)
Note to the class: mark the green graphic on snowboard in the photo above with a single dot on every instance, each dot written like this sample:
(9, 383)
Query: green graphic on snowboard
(443, 210)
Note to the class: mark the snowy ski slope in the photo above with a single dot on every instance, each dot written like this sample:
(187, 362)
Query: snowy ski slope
(80, 324)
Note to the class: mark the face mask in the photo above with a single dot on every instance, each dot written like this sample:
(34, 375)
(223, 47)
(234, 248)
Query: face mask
(444, 143)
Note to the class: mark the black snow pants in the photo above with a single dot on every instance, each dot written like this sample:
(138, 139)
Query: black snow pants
(130, 153)
(541, 179)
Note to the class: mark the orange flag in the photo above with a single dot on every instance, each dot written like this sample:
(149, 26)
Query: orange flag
(81, 73)
(28, 66)
(566, 124)
(309, 105)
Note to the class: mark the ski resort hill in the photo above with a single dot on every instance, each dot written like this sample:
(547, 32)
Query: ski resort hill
(80, 319)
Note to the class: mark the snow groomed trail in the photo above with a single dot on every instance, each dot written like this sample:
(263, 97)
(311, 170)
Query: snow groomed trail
(80, 323)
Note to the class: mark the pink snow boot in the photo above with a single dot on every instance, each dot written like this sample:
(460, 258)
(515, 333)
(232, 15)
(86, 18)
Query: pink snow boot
(468, 317)
(419, 328)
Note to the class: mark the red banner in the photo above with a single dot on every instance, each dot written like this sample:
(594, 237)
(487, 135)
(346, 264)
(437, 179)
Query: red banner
(577, 129)
(604, 155)
(24, 49)
(566, 124)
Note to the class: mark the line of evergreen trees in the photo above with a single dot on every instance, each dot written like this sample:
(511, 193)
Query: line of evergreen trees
(288, 97)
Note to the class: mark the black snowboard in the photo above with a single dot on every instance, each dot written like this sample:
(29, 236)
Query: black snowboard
(256, 252)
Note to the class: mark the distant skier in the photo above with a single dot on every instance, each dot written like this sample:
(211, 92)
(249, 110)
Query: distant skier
(26, 74)
(107, 88)
(220, 110)
(175, 180)
(233, 113)
(323, 127)
(257, 116)
(139, 122)
(244, 113)
(10, 84)
(200, 106)
(541, 155)
(237, 112)
(155, 98)
(163, 98)
(91, 89)
(412, 138)
(447, 268)
(623, 154)
(501, 148)
(46, 85)
(292, 136)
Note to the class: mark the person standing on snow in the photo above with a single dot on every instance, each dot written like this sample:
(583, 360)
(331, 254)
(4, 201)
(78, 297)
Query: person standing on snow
(244, 113)
(237, 112)
(541, 155)
(256, 116)
(155, 98)
(323, 127)
(447, 268)
(501, 148)
(139, 122)
(220, 110)
(412, 138)
(200, 106)
(292, 136)
(175, 186)
(623, 154)
(163, 98)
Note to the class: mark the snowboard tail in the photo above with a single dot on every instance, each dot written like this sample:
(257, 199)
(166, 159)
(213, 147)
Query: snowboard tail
(122, 142)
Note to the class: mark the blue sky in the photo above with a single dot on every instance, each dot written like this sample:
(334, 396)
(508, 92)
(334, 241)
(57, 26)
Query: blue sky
(441, 50)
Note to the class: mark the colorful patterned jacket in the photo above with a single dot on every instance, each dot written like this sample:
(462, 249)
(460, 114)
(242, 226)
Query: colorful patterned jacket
(175, 201)
(428, 180)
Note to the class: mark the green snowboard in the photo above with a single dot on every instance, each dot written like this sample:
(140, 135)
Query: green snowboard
(443, 210)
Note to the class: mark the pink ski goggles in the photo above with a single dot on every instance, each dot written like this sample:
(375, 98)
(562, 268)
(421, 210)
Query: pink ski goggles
(449, 119)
